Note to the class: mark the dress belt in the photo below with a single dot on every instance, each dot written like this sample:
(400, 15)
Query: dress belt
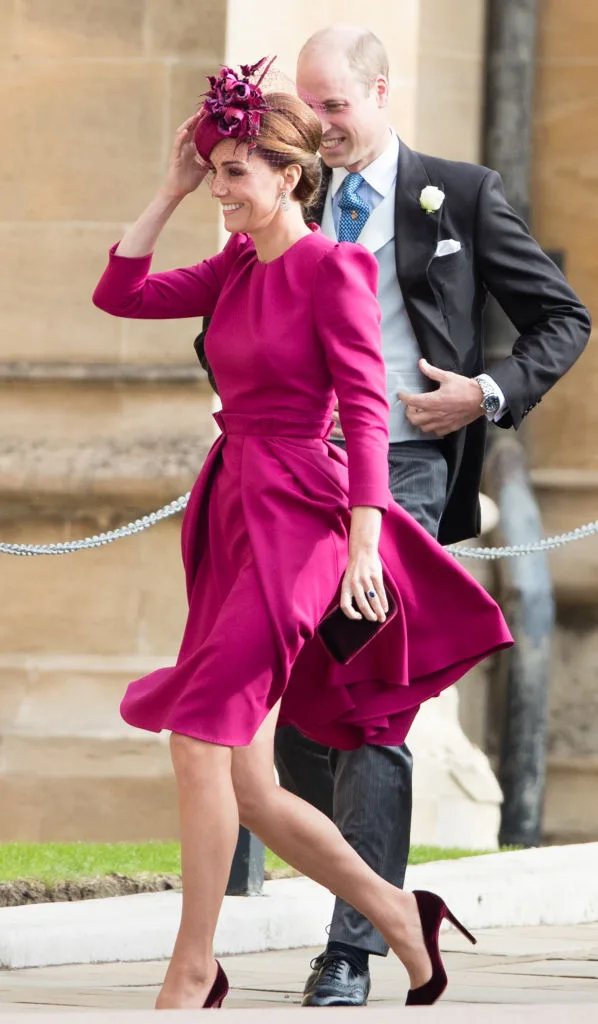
(272, 426)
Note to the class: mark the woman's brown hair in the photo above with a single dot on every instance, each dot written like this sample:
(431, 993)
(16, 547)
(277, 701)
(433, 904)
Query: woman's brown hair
(290, 133)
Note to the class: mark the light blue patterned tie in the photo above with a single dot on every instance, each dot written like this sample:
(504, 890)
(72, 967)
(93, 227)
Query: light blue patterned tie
(354, 210)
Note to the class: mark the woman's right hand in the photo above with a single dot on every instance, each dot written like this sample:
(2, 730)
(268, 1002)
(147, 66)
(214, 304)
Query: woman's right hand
(186, 169)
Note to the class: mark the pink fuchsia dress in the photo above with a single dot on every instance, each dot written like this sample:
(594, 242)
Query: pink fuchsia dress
(265, 534)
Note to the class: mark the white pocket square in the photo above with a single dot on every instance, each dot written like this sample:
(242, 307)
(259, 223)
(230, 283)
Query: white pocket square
(447, 246)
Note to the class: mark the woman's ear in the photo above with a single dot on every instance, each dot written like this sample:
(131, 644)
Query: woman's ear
(291, 177)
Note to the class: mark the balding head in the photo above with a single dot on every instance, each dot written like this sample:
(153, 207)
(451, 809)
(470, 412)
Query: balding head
(342, 73)
(364, 52)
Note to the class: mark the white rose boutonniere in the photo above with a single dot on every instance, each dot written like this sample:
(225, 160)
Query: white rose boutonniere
(431, 198)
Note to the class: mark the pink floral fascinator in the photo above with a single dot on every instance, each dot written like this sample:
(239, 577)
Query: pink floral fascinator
(233, 106)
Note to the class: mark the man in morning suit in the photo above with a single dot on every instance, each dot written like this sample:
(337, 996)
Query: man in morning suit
(444, 237)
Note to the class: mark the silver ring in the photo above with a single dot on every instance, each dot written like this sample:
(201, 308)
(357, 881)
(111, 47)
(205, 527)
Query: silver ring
(371, 593)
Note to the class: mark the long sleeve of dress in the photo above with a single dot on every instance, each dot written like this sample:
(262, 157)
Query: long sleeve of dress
(127, 289)
(347, 318)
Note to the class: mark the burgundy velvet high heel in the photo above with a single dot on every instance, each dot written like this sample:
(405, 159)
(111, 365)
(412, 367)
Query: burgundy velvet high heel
(218, 991)
(432, 912)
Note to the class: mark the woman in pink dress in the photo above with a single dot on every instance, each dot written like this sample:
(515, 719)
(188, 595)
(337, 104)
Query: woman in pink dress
(277, 520)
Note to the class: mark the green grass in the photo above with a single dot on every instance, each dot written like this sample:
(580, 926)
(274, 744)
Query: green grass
(425, 854)
(55, 862)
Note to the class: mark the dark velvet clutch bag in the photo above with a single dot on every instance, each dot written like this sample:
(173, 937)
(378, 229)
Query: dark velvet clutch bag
(343, 638)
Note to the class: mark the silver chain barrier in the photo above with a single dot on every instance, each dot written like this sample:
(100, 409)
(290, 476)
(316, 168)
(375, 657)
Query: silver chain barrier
(517, 550)
(68, 547)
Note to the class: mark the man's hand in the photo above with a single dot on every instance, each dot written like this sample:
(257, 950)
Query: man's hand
(454, 404)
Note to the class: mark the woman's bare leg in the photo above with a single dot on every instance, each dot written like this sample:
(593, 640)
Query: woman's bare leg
(209, 824)
(311, 843)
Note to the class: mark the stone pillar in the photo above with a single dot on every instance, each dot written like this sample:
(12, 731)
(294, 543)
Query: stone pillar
(456, 796)
(450, 78)
(436, 53)
(563, 431)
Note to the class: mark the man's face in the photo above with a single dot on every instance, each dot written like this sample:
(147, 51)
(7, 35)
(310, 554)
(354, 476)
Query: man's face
(354, 118)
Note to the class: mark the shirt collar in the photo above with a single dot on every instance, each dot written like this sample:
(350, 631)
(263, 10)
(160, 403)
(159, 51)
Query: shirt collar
(380, 174)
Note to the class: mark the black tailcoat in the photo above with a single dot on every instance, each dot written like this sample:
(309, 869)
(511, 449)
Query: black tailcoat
(445, 297)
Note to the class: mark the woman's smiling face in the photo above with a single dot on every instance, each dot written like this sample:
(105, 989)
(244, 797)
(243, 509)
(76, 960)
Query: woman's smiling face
(246, 186)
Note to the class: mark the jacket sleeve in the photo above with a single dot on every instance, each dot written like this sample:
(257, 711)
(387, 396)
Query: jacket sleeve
(200, 350)
(127, 289)
(553, 324)
(347, 317)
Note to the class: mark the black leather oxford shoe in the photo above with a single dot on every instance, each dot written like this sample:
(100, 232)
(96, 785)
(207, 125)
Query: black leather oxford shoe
(335, 981)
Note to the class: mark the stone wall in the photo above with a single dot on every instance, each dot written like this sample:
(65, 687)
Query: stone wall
(450, 78)
(102, 420)
(561, 434)
(91, 95)
(563, 431)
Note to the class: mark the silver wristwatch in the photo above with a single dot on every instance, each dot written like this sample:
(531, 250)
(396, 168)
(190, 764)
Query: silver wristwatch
(490, 401)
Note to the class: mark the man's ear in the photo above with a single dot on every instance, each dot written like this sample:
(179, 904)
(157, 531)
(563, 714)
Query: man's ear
(381, 91)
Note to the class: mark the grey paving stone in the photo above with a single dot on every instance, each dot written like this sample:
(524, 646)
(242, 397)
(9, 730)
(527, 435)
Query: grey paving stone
(551, 974)
(27, 1011)
(563, 969)
(509, 997)
(514, 980)
(527, 942)
(442, 1014)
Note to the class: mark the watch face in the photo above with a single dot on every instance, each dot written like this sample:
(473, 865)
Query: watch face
(491, 403)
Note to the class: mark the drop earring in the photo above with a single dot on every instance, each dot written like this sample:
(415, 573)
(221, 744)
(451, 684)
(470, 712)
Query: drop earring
(284, 201)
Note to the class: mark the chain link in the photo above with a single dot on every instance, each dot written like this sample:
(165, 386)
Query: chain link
(99, 540)
(67, 547)
(517, 550)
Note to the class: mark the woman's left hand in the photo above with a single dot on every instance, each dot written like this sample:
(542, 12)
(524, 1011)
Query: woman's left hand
(362, 579)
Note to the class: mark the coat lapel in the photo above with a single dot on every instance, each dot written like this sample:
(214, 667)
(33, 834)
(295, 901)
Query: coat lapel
(416, 238)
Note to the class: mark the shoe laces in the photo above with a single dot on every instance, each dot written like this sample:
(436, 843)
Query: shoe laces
(331, 965)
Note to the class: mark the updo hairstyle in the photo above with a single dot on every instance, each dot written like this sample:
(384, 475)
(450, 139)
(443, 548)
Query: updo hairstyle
(290, 133)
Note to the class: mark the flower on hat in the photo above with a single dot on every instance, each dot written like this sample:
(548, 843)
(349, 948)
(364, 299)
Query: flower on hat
(431, 198)
(234, 103)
